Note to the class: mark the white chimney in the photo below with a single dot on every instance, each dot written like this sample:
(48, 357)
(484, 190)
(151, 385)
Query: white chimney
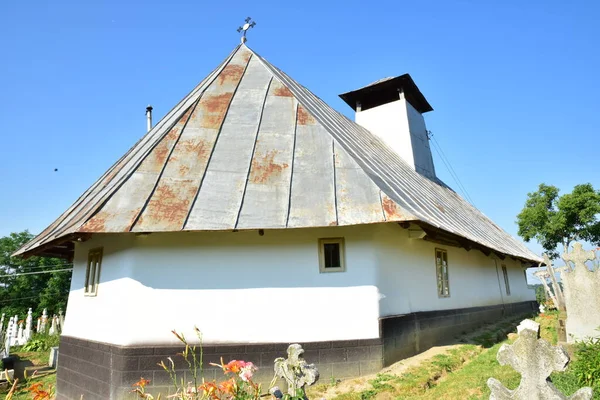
(393, 108)
(148, 118)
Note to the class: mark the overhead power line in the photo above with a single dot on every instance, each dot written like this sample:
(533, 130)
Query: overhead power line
(36, 273)
(451, 170)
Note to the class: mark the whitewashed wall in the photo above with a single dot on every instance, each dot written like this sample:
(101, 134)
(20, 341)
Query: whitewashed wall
(244, 288)
(236, 287)
(407, 276)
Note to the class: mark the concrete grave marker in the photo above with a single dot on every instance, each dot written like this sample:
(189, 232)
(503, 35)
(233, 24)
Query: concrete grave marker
(582, 295)
(534, 359)
(295, 370)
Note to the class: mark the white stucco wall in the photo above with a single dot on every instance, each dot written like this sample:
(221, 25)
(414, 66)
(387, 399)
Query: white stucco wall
(236, 287)
(244, 288)
(402, 127)
(407, 276)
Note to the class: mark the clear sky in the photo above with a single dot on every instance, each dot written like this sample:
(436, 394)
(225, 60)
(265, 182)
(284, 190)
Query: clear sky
(514, 84)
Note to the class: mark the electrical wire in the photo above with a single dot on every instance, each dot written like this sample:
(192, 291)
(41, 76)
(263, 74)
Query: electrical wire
(451, 170)
(37, 273)
(20, 298)
(28, 269)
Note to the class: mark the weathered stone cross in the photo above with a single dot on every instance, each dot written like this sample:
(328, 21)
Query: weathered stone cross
(534, 359)
(579, 256)
(296, 371)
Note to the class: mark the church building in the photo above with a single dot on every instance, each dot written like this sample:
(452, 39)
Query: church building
(258, 213)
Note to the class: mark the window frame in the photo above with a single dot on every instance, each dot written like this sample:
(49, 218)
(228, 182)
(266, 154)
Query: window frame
(439, 274)
(340, 242)
(506, 281)
(92, 272)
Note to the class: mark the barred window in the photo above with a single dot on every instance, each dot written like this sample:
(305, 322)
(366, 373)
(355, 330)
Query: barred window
(92, 272)
(441, 266)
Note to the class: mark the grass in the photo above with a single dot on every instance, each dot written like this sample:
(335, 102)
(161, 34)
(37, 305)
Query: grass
(39, 359)
(46, 380)
(415, 381)
(462, 372)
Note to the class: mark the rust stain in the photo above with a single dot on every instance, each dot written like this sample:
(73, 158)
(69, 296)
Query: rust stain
(169, 205)
(230, 74)
(304, 117)
(440, 207)
(96, 224)
(214, 108)
(246, 56)
(183, 170)
(333, 223)
(186, 115)
(192, 149)
(264, 168)
(390, 208)
(283, 92)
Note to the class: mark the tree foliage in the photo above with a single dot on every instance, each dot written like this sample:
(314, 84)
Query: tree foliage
(553, 220)
(37, 290)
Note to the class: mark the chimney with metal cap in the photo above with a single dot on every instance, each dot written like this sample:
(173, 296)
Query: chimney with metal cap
(393, 108)
(149, 118)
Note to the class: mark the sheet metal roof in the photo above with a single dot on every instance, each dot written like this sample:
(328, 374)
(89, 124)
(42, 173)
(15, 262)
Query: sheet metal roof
(250, 148)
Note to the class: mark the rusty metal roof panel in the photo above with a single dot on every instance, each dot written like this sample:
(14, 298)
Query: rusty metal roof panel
(312, 197)
(358, 198)
(221, 192)
(250, 148)
(267, 193)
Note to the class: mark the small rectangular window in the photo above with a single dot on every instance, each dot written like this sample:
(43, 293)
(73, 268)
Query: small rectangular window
(441, 266)
(506, 284)
(92, 272)
(331, 255)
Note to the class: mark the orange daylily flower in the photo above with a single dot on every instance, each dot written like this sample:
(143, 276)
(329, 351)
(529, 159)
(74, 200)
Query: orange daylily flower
(228, 386)
(142, 382)
(209, 389)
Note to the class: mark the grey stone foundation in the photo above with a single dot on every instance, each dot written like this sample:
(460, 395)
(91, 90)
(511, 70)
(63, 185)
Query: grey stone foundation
(100, 371)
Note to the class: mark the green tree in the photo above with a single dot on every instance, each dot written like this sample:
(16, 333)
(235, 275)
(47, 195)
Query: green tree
(26, 283)
(555, 220)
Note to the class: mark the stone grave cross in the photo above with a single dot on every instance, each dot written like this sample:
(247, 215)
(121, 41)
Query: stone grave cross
(579, 256)
(582, 295)
(295, 370)
(534, 359)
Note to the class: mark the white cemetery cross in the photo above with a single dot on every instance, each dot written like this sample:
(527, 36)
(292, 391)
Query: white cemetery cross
(53, 326)
(560, 300)
(61, 320)
(295, 370)
(542, 275)
(20, 333)
(9, 331)
(15, 330)
(582, 295)
(44, 320)
(28, 322)
(534, 359)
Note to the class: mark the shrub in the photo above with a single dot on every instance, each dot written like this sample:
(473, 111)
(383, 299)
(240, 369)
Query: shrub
(41, 342)
(586, 365)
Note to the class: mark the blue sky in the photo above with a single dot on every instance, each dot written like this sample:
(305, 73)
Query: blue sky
(514, 85)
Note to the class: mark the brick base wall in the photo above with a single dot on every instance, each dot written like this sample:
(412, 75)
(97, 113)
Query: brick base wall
(407, 335)
(101, 371)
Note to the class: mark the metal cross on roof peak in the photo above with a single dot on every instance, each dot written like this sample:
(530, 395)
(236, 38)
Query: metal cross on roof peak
(249, 24)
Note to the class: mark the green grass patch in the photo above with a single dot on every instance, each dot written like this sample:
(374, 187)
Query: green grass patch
(415, 381)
